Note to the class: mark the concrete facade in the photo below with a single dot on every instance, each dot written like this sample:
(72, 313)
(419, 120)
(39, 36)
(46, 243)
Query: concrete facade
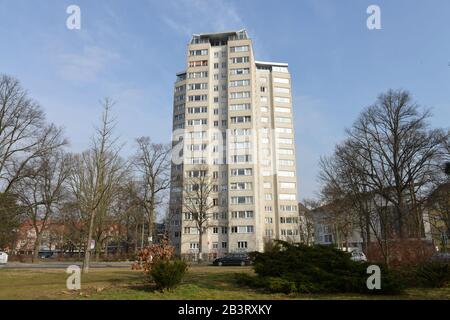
(233, 116)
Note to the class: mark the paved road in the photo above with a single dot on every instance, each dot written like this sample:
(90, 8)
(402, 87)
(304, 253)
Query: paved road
(63, 265)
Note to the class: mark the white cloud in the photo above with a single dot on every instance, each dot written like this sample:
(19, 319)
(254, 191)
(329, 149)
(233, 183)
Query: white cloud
(87, 65)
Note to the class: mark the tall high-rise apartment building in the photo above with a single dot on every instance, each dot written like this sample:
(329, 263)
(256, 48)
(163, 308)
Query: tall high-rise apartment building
(233, 123)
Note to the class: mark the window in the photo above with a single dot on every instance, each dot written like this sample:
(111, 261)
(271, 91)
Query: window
(188, 230)
(282, 99)
(264, 119)
(197, 122)
(265, 140)
(268, 208)
(202, 52)
(268, 220)
(239, 49)
(288, 208)
(263, 99)
(197, 86)
(195, 75)
(202, 97)
(281, 80)
(267, 185)
(262, 89)
(269, 232)
(240, 145)
(196, 174)
(241, 119)
(286, 173)
(328, 238)
(201, 63)
(241, 132)
(288, 152)
(285, 162)
(289, 220)
(280, 69)
(289, 232)
(284, 141)
(240, 95)
(239, 83)
(283, 120)
(241, 186)
(216, 66)
(193, 245)
(241, 172)
(268, 196)
(242, 214)
(198, 110)
(240, 71)
(264, 109)
(240, 60)
(224, 230)
(224, 245)
(286, 196)
(240, 107)
(242, 158)
(215, 245)
(283, 130)
(281, 90)
(180, 89)
(287, 185)
(242, 200)
(242, 244)
(282, 110)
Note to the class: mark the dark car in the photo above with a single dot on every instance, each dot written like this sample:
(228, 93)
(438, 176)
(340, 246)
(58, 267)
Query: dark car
(233, 260)
(46, 254)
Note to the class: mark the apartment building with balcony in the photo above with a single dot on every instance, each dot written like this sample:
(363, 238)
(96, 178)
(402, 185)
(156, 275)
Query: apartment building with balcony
(233, 122)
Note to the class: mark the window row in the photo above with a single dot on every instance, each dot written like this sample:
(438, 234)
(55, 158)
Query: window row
(202, 52)
(199, 63)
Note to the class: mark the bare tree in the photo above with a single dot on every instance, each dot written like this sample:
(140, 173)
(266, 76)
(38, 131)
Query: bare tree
(152, 162)
(24, 136)
(24, 133)
(306, 221)
(42, 191)
(384, 168)
(95, 174)
(399, 152)
(198, 202)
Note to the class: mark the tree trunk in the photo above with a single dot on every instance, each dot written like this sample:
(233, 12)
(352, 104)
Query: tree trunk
(87, 252)
(200, 242)
(37, 245)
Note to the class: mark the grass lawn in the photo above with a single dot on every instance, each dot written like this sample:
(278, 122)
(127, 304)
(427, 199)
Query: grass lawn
(201, 282)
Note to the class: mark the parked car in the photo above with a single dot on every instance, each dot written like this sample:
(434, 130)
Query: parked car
(358, 256)
(233, 260)
(3, 258)
(46, 254)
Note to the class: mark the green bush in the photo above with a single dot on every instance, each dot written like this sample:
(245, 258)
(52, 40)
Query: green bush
(314, 269)
(168, 274)
(433, 274)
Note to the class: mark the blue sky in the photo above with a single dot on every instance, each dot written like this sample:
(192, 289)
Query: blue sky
(131, 50)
